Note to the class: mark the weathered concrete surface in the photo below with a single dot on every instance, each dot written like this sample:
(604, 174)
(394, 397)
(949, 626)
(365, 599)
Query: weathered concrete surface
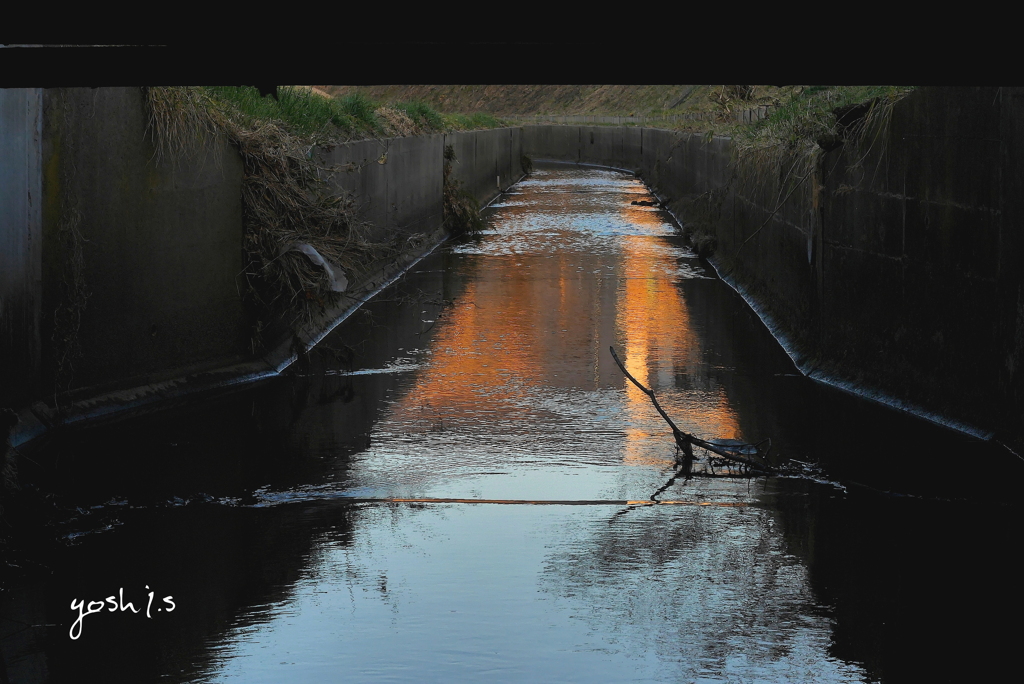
(21, 193)
(552, 142)
(890, 266)
(398, 182)
(415, 184)
(362, 172)
(920, 280)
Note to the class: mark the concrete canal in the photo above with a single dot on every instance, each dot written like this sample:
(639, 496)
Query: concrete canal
(456, 485)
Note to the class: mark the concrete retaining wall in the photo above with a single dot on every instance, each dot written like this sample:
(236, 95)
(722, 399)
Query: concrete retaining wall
(160, 238)
(892, 267)
(363, 173)
(611, 146)
(398, 182)
(920, 278)
(160, 242)
(487, 162)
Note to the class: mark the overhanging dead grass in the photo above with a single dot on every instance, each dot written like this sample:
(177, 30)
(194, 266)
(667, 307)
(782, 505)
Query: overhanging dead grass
(287, 202)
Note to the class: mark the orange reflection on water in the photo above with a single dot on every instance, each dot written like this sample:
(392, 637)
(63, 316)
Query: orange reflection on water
(515, 327)
(660, 342)
(539, 313)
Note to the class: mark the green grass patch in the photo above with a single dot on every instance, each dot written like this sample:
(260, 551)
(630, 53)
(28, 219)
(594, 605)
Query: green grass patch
(469, 122)
(299, 111)
(422, 114)
(321, 119)
(358, 108)
(426, 117)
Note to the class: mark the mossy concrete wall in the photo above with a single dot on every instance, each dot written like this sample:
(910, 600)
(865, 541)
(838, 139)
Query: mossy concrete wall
(159, 281)
(891, 265)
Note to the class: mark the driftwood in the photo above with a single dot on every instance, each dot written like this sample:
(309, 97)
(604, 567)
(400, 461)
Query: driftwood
(727, 450)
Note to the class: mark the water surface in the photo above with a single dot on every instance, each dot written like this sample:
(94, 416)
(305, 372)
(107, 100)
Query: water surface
(456, 486)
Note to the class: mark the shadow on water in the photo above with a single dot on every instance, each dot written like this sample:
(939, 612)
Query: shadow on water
(910, 554)
(920, 590)
(485, 375)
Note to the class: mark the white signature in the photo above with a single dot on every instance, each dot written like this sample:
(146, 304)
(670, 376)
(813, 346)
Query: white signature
(115, 605)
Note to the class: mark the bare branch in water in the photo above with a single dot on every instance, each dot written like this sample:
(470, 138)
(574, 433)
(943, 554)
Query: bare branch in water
(686, 441)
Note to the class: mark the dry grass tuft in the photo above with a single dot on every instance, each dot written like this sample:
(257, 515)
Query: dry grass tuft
(822, 116)
(396, 122)
(180, 121)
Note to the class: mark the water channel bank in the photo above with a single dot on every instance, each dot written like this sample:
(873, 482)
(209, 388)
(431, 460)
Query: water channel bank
(889, 265)
(122, 269)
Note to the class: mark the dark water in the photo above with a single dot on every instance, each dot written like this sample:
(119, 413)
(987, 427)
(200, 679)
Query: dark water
(455, 487)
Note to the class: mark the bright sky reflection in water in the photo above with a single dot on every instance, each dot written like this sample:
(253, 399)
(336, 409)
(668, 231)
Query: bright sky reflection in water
(515, 396)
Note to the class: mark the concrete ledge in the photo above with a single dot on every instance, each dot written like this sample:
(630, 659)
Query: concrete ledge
(96, 405)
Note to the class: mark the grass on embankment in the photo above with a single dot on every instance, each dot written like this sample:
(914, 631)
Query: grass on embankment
(777, 154)
(798, 116)
(304, 113)
(820, 115)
